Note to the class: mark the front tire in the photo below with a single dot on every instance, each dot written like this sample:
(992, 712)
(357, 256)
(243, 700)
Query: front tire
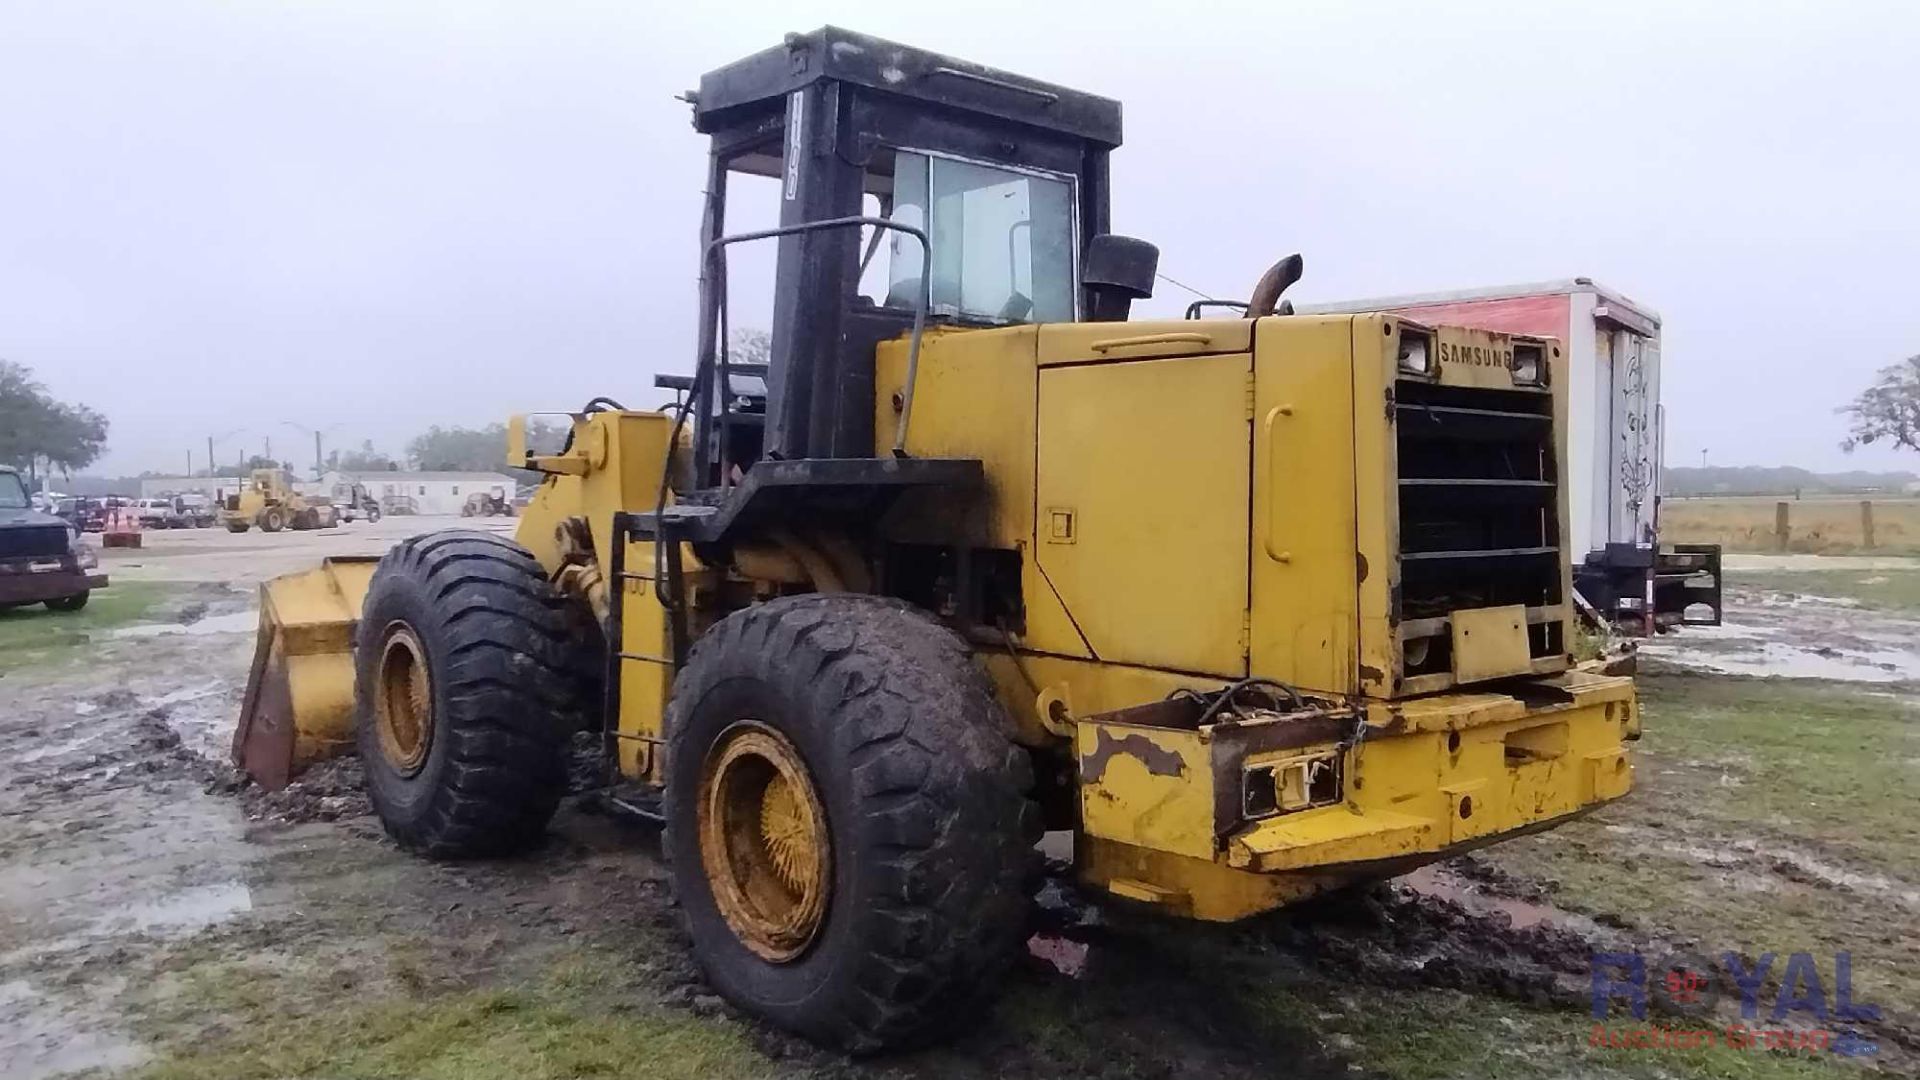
(468, 689)
(848, 820)
(68, 603)
(272, 520)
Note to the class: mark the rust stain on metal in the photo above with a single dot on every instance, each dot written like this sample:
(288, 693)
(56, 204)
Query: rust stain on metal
(1368, 671)
(1159, 760)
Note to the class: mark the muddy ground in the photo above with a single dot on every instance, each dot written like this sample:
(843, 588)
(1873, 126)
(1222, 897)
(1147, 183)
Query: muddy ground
(160, 917)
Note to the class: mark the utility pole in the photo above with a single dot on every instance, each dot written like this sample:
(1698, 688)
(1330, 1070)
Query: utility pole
(211, 467)
(319, 450)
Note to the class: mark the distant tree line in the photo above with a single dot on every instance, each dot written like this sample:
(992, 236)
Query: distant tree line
(41, 436)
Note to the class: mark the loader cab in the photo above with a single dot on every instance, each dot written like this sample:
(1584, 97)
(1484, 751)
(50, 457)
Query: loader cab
(1005, 175)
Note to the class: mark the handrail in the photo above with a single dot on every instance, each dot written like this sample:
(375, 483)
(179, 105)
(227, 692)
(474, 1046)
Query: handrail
(1194, 309)
(1176, 338)
(703, 367)
(921, 300)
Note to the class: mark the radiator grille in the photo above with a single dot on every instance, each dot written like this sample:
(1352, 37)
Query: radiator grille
(35, 541)
(1479, 513)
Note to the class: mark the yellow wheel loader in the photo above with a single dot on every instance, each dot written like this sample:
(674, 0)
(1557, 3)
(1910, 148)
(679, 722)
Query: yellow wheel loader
(271, 502)
(1254, 607)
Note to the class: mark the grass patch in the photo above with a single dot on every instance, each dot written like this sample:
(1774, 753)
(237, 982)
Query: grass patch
(1768, 816)
(31, 636)
(1882, 590)
(577, 1021)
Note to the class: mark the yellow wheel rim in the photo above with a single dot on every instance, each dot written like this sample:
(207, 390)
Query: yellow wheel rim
(763, 841)
(403, 700)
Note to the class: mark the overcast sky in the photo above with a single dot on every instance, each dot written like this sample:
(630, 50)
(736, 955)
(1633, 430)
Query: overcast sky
(371, 217)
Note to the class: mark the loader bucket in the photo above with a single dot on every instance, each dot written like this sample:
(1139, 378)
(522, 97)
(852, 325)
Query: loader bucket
(299, 703)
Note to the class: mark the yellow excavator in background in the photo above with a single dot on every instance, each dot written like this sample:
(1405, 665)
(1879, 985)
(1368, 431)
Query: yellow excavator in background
(1255, 607)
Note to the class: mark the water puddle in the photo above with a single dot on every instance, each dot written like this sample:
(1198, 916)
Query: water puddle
(1773, 633)
(38, 1039)
(1440, 883)
(1765, 563)
(1737, 650)
(239, 622)
(192, 908)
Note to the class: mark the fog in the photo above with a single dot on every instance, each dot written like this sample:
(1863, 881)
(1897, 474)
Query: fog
(253, 220)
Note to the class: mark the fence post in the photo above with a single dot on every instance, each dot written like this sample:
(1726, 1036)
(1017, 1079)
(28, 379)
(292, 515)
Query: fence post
(1866, 521)
(1780, 527)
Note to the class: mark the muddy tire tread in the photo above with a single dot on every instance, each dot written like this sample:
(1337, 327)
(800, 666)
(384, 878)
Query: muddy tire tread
(508, 693)
(943, 792)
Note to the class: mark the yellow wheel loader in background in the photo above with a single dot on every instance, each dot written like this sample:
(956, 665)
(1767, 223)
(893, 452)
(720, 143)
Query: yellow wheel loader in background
(272, 502)
(1254, 607)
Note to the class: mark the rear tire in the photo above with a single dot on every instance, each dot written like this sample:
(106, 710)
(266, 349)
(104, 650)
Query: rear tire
(918, 790)
(68, 603)
(468, 690)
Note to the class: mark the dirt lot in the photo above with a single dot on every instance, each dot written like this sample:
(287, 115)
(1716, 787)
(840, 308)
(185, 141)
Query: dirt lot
(160, 918)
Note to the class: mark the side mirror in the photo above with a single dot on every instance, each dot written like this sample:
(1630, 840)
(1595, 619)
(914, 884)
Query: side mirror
(1118, 271)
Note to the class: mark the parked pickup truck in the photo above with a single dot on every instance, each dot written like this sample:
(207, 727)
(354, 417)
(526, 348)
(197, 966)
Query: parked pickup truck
(42, 558)
(154, 513)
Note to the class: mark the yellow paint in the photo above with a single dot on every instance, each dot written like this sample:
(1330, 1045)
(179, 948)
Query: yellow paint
(1490, 643)
(1375, 350)
(1086, 688)
(1150, 458)
(645, 684)
(1189, 887)
(1075, 343)
(1147, 787)
(614, 463)
(307, 623)
(1304, 619)
(1426, 777)
(977, 397)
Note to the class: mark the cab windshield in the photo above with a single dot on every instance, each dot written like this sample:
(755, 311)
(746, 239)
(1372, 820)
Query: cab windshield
(13, 493)
(1002, 239)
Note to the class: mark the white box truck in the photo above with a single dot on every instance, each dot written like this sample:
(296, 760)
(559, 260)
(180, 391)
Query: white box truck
(1614, 441)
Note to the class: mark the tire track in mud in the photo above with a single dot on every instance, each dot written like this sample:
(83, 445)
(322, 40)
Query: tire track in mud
(1466, 925)
(108, 841)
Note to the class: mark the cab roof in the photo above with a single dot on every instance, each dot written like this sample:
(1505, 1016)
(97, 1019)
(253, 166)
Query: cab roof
(831, 53)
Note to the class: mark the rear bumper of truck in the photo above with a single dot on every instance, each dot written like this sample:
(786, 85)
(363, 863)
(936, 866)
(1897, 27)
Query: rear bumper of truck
(1223, 821)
